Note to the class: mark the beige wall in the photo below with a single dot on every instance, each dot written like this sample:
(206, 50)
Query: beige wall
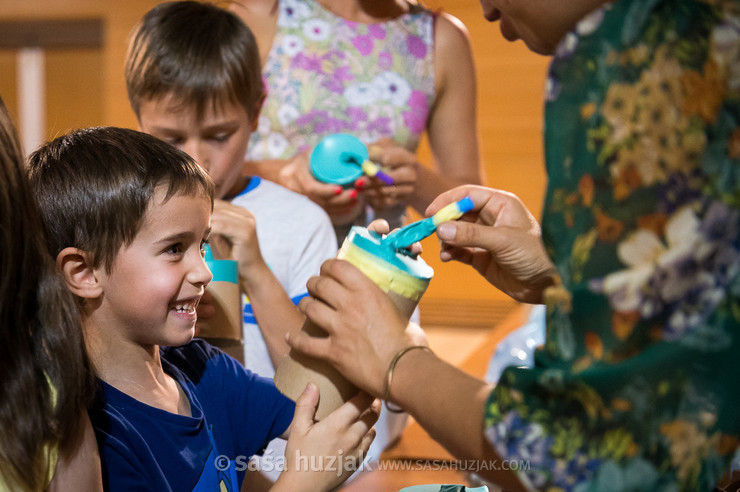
(86, 87)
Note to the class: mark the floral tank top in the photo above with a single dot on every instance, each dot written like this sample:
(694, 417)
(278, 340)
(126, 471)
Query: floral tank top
(637, 386)
(326, 75)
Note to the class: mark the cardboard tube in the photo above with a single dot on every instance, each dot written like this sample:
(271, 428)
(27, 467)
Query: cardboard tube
(403, 278)
(224, 328)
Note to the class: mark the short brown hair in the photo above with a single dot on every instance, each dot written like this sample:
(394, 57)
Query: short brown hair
(94, 186)
(199, 53)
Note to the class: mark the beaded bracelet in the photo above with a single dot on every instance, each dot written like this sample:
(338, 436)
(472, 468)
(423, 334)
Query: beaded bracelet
(389, 375)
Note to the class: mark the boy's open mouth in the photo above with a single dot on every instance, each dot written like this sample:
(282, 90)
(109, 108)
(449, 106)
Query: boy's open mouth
(186, 306)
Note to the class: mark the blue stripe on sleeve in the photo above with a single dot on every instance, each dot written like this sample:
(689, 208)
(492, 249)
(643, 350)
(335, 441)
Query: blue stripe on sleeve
(249, 313)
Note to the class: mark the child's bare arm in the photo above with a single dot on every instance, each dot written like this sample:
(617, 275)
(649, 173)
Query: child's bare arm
(234, 236)
(79, 469)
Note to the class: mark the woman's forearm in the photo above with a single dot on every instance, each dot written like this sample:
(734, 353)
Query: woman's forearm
(267, 169)
(449, 404)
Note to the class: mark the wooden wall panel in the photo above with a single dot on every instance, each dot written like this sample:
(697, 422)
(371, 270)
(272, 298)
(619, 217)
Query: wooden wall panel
(98, 76)
(8, 85)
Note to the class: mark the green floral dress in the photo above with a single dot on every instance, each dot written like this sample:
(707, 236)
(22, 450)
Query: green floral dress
(637, 386)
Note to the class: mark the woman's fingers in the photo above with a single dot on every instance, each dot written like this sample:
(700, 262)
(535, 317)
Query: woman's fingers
(317, 347)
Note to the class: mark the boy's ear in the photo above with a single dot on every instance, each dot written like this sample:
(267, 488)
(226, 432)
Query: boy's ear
(79, 275)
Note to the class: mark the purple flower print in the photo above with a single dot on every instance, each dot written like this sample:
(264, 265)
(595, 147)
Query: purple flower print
(377, 31)
(364, 44)
(310, 63)
(416, 46)
(329, 125)
(311, 118)
(380, 126)
(355, 115)
(416, 117)
(338, 77)
(317, 121)
(385, 60)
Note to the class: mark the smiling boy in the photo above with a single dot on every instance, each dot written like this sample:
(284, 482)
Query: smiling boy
(126, 217)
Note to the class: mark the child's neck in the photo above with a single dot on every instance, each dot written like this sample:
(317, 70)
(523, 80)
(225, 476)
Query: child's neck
(135, 370)
(241, 184)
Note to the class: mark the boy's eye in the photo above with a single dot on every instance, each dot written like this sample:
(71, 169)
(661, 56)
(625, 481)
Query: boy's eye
(174, 249)
(203, 247)
(221, 137)
(176, 141)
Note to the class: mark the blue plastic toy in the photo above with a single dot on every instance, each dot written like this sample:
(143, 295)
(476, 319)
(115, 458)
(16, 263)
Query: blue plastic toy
(416, 231)
(341, 159)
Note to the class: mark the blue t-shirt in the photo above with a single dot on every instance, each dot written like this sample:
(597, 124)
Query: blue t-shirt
(235, 413)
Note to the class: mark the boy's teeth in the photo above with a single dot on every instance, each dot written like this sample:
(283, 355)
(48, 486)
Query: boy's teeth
(184, 307)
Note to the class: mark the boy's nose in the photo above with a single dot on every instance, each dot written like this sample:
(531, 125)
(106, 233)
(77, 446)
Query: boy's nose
(199, 273)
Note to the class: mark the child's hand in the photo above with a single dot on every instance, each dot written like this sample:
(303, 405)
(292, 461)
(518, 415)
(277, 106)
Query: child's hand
(234, 236)
(321, 455)
(380, 226)
(401, 165)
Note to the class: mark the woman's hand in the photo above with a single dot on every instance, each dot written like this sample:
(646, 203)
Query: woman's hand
(322, 455)
(296, 176)
(365, 330)
(500, 238)
(399, 164)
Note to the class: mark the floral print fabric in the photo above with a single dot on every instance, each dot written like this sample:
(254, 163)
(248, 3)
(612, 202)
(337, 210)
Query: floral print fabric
(636, 387)
(329, 75)
(326, 75)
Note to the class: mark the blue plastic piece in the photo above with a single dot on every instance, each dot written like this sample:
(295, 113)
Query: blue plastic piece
(222, 270)
(337, 159)
(465, 205)
(416, 231)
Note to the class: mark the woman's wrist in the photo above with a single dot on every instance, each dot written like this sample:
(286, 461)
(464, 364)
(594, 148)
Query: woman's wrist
(403, 374)
(391, 369)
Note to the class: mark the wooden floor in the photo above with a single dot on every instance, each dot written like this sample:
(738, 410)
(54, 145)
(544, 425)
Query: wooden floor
(417, 459)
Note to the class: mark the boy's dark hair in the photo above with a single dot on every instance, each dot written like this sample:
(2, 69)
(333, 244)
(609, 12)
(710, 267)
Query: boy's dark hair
(94, 186)
(197, 52)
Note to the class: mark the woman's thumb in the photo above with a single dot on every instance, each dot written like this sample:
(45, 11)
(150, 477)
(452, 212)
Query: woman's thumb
(462, 234)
